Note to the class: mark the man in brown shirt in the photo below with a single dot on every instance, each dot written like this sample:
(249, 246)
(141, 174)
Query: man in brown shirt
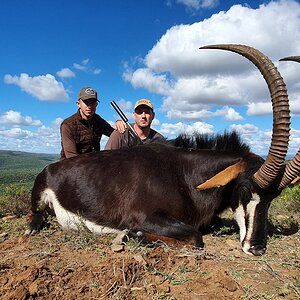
(82, 132)
(143, 116)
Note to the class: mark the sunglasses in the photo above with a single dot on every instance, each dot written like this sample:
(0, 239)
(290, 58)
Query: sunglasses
(140, 110)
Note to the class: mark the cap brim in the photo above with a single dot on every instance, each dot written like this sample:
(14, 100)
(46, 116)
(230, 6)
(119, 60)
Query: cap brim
(143, 105)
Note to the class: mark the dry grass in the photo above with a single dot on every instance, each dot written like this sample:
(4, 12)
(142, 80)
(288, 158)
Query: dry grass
(56, 263)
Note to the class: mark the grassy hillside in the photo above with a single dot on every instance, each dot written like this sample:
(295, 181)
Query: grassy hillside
(21, 167)
(24, 160)
(17, 173)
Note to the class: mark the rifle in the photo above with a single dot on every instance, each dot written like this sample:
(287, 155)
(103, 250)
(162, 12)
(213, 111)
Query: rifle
(131, 131)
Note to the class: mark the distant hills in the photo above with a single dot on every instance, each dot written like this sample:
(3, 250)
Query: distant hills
(21, 168)
(24, 160)
(13, 160)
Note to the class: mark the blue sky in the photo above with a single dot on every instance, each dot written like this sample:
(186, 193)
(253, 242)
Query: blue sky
(135, 49)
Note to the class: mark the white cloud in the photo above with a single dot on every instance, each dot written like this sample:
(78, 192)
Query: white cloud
(145, 78)
(15, 118)
(97, 71)
(228, 113)
(246, 129)
(56, 123)
(188, 115)
(173, 130)
(155, 123)
(125, 105)
(295, 106)
(258, 141)
(29, 135)
(16, 133)
(259, 109)
(193, 82)
(86, 66)
(43, 87)
(79, 67)
(42, 140)
(288, 70)
(294, 141)
(199, 4)
(65, 73)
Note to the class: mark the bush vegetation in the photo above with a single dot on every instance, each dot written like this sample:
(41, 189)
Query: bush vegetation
(17, 173)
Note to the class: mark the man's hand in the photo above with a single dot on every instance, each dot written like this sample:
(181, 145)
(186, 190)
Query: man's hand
(120, 126)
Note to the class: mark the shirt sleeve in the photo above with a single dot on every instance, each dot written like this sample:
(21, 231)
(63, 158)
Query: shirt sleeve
(107, 128)
(115, 141)
(68, 142)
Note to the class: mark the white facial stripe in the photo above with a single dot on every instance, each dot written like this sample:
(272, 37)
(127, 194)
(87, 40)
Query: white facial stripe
(251, 207)
(69, 220)
(239, 215)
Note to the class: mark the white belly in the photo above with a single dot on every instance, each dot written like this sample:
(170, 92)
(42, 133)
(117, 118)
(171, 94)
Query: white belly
(69, 220)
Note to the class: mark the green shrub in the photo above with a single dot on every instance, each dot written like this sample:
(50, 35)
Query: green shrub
(15, 200)
(288, 202)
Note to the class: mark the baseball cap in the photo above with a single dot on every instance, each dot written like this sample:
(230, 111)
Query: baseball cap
(87, 93)
(145, 102)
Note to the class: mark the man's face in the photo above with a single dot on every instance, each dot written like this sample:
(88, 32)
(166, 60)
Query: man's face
(143, 116)
(87, 107)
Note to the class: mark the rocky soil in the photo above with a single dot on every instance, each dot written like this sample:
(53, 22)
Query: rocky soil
(63, 265)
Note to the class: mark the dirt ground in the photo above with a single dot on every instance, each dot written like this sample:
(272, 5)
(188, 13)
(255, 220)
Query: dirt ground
(63, 265)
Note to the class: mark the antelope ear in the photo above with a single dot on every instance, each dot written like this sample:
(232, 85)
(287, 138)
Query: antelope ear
(223, 177)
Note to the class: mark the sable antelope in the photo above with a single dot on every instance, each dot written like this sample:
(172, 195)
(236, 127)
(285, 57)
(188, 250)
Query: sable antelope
(168, 192)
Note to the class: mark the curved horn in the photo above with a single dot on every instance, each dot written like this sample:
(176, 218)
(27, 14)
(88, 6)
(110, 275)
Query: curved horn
(281, 113)
(292, 170)
(292, 58)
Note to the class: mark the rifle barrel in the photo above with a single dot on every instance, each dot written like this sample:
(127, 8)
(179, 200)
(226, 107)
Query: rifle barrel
(125, 119)
(119, 111)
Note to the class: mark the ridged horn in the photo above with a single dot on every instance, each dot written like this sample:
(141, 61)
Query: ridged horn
(291, 58)
(281, 112)
(292, 170)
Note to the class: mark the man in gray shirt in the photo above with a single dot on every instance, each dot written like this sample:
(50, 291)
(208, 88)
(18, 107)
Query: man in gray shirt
(143, 117)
